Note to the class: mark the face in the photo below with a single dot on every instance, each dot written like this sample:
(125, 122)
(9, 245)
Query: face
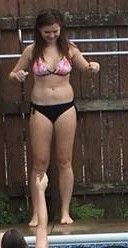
(50, 33)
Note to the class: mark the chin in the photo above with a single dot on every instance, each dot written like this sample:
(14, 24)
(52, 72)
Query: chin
(51, 41)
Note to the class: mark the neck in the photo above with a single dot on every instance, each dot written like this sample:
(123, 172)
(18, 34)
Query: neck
(52, 44)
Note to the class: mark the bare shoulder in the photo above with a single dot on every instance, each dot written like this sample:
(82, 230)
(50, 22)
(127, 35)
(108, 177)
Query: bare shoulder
(27, 53)
(29, 48)
(73, 49)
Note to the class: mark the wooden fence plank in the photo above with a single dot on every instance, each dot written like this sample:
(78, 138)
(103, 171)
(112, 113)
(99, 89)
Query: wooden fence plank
(89, 81)
(28, 148)
(124, 119)
(123, 62)
(2, 156)
(75, 77)
(109, 68)
(32, 7)
(73, 19)
(15, 154)
(111, 122)
(107, 6)
(78, 155)
(121, 5)
(71, 6)
(86, 6)
(93, 6)
(82, 5)
(92, 147)
(7, 8)
(9, 90)
(102, 105)
(6, 46)
(62, 5)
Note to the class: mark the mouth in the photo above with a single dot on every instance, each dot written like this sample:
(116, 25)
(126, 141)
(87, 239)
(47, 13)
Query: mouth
(51, 39)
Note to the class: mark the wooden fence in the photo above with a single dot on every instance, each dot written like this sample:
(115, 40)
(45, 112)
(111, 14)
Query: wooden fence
(100, 158)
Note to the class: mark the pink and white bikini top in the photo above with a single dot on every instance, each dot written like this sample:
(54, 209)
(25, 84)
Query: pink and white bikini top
(63, 68)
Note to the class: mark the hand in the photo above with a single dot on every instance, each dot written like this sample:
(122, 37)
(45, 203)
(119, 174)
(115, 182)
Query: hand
(42, 181)
(21, 75)
(94, 67)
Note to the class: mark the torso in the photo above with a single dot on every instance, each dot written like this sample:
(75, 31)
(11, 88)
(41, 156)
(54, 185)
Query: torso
(52, 88)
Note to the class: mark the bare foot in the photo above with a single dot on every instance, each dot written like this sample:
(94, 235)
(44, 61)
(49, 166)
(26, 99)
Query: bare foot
(66, 220)
(34, 221)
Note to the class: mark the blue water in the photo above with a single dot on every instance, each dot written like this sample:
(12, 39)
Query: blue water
(110, 245)
(108, 240)
(102, 245)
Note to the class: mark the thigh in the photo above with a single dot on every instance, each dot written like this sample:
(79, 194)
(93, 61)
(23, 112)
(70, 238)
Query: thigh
(41, 135)
(65, 127)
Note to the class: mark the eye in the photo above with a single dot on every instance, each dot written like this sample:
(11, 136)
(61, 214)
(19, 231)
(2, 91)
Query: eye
(47, 32)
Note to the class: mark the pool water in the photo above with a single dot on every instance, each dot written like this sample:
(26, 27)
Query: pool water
(107, 240)
(110, 245)
(105, 245)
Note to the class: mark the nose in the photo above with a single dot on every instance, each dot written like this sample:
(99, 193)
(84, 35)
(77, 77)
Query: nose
(52, 35)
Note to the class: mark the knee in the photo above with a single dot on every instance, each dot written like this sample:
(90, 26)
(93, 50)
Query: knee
(64, 163)
(40, 164)
(38, 176)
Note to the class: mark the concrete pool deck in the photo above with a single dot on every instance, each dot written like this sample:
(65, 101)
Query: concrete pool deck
(78, 227)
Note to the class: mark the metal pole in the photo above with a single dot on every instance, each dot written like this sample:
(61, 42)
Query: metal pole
(11, 56)
(103, 40)
(87, 40)
(100, 40)
(105, 53)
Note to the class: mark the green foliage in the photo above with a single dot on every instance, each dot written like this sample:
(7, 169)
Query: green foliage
(85, 211)
(123, 212)
(126, 214)
(23, 215)
(7, 216)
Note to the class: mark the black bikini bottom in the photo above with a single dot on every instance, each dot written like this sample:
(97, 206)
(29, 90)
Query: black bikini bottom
(52, 112)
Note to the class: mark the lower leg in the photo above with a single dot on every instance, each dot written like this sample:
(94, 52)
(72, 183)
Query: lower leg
(41, 135)
(36, 174)
(66, 180)
(65, 127)
(34, 220)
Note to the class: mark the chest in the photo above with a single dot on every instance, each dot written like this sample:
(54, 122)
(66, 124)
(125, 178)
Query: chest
(52, 57)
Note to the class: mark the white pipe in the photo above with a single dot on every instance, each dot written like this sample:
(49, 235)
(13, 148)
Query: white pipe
(105, 53)
(83, 238)
(20, 35)
(27, 41)
(100, 40)
(9, 56)
(89, 40)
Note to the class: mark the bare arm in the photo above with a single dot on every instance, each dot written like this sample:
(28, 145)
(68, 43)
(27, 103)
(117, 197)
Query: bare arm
(20, 72)
(41, 234)
(79, 61)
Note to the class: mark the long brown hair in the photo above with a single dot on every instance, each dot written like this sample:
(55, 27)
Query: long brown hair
(49, 17)
(13, 239)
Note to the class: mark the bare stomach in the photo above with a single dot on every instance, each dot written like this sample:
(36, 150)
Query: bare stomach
(48, 94)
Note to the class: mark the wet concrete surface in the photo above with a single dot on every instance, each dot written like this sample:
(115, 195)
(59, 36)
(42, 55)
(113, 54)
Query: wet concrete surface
(78, 227)
(91, 227)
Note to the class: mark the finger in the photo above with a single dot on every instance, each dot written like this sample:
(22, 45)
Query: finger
(21, 79)
(18, 78)
(26, 73)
